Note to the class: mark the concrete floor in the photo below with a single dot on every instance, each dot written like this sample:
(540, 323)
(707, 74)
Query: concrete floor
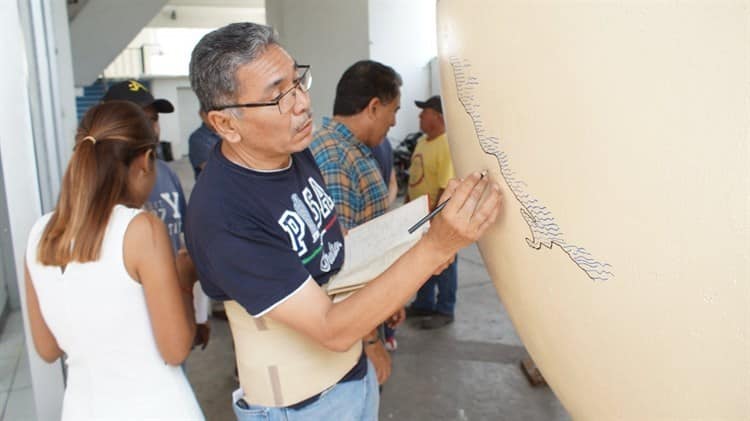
(466, 371)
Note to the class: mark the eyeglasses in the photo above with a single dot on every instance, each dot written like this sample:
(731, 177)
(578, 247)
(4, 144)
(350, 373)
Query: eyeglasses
(285, 102)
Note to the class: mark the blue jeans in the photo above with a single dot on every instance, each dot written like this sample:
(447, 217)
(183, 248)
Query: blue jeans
(356, 400)
(446, 283)
(388, 332)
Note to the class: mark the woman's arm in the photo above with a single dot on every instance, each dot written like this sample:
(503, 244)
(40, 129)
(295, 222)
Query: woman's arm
(44, 341)
(149, 259)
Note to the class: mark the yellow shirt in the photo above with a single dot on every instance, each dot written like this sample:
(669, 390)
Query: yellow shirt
(431, 168)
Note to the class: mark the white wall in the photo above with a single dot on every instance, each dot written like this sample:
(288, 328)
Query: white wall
(329, 35)
(171, 130)
(63, 81)
(403, 36)
(188, 118)
(164, 52)
(300, 32)
(435, 76)
(194, 16)
(19, 175)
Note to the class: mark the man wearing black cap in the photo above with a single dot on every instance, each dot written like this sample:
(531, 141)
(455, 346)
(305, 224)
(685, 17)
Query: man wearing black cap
(167, 199)
(134, 91)
(431, 168)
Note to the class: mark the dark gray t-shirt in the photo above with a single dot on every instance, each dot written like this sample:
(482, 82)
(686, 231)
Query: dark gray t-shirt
(167, 201)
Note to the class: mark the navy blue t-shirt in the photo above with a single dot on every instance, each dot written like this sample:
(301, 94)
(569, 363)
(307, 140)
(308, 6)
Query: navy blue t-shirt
(256, 237)
(200, 144)
(383, 153)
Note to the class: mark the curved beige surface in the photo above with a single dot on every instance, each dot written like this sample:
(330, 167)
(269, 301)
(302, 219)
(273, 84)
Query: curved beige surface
(619, 132)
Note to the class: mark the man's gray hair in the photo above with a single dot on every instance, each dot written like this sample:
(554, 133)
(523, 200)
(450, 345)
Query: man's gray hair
(218, 55)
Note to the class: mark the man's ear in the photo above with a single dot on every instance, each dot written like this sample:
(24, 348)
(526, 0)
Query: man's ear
(225, 125)
(373, 107)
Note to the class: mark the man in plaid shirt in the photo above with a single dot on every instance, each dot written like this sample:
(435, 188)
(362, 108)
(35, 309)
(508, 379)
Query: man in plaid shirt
(367, 99)
(368, 96)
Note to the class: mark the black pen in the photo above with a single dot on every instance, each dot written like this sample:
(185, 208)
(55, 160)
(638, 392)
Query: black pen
(428, 216)
(435, 211)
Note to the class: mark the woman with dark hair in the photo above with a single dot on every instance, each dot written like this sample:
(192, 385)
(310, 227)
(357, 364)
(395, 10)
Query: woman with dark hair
(102, 285)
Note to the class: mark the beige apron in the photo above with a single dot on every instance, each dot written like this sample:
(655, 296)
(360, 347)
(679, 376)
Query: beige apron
(279, 366)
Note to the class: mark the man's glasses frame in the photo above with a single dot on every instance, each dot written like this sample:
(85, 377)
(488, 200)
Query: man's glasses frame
(303, 82)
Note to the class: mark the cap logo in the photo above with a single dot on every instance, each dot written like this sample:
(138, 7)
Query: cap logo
(136, 86)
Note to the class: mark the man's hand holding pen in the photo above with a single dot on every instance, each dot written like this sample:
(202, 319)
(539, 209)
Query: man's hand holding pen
(473, 207)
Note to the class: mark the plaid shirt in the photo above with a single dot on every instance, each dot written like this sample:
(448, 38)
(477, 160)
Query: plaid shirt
(351, 173)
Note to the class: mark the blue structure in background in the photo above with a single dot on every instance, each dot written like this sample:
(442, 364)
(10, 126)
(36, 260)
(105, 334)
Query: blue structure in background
(94, 92)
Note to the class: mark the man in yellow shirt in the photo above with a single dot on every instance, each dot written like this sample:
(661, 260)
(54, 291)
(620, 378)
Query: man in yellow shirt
(431, 168)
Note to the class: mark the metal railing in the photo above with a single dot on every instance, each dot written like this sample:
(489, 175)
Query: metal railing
(132, 63)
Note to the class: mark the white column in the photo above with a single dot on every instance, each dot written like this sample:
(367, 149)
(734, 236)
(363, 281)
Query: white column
(22, 190)
(102, 28)
(403, 35)
(329, 35)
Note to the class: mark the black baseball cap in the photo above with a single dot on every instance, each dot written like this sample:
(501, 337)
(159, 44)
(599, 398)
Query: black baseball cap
(431, 102)
(135, 92)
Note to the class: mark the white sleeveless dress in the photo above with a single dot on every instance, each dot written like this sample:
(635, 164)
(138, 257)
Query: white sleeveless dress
(98, 315)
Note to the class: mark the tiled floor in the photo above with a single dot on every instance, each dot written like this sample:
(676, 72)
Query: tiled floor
(16, 398)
